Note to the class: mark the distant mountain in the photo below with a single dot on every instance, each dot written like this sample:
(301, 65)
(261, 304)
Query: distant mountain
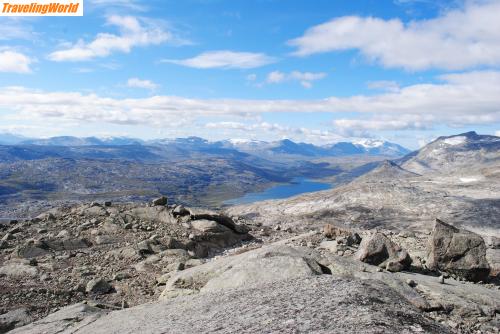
(462, 153)
(10, 139)
(380, 147)
(86, 141)
(288, 147)
(281, 148)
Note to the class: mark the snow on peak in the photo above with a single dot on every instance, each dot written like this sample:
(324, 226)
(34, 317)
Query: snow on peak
(455, 140)
(369, 143)
(242, 141)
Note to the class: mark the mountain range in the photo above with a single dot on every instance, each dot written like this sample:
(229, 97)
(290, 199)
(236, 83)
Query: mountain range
(261, 148)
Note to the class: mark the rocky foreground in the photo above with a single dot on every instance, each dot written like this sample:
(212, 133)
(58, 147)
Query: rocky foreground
(159, 268)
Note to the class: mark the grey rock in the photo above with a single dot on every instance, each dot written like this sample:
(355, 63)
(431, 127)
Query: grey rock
(161, 201)
(180, 211)
(458, 252)
(378, 249)
(311, 304)
(263, 265)
(219, 218)
(204, 226)
(98, 286)
(67, 320)
(18, 271)
(13, 319)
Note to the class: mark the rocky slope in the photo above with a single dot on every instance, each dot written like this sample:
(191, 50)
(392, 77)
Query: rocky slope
(71, 253)
(459, 184)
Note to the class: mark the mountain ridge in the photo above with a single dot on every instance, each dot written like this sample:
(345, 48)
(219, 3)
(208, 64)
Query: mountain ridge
(285, 146)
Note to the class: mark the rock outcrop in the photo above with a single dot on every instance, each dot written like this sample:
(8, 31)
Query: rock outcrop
(457, 252)
(260, 266)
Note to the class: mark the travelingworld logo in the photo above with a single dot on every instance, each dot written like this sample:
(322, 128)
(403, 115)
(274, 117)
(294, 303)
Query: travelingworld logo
(41, 8)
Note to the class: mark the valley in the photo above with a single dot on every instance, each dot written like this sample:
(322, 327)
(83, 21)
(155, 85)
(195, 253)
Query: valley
(35, 174)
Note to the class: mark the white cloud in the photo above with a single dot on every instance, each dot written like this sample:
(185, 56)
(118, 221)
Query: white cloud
(133, 32)
(138, 83)
(497, 133)
(276, 77)
(225, 59)
(384, 85)
(305, 78)
(462, 99)
(13, 61)
(458, 39)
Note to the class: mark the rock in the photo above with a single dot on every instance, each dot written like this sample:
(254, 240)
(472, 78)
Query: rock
(4, 244)
(219, 218)
(180, 211)
(98, 286)
(63, 234)
(104, 240)
(13, 319)
(172, 243)
(205, 226)
(18, 271)
(395, 266)
(161, 201)
(311, 304)
(144, 247)
(492, 242)
(330, 245)
(34, 250)
(263, 265)
(107, 203)
(121, 276)
(493, 258)
(378, 249)
(76, 317)
(458, 252)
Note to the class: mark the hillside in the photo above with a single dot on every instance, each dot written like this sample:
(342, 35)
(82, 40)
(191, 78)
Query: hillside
(404, 196)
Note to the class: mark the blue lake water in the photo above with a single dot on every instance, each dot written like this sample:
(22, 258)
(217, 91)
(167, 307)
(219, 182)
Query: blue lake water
(297, 186)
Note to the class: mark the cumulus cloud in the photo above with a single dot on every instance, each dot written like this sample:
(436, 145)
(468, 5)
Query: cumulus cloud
(305, 78)
(225, 59)
(15, 62)
(459, 39)
(133, 32)
(384, 85)
(461, 99)
(138, 83)
(497, 133)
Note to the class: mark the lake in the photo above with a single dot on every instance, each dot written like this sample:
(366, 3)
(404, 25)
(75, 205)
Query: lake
(297, 186)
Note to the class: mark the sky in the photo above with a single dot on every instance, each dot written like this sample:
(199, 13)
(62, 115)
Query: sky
(318, 71)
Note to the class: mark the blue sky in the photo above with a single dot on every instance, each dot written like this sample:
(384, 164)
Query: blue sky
(315, 71)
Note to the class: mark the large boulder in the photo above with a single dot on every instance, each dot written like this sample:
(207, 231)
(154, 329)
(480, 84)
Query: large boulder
(378, 249)
(267, 264)
(458, 252)
(214, 232)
